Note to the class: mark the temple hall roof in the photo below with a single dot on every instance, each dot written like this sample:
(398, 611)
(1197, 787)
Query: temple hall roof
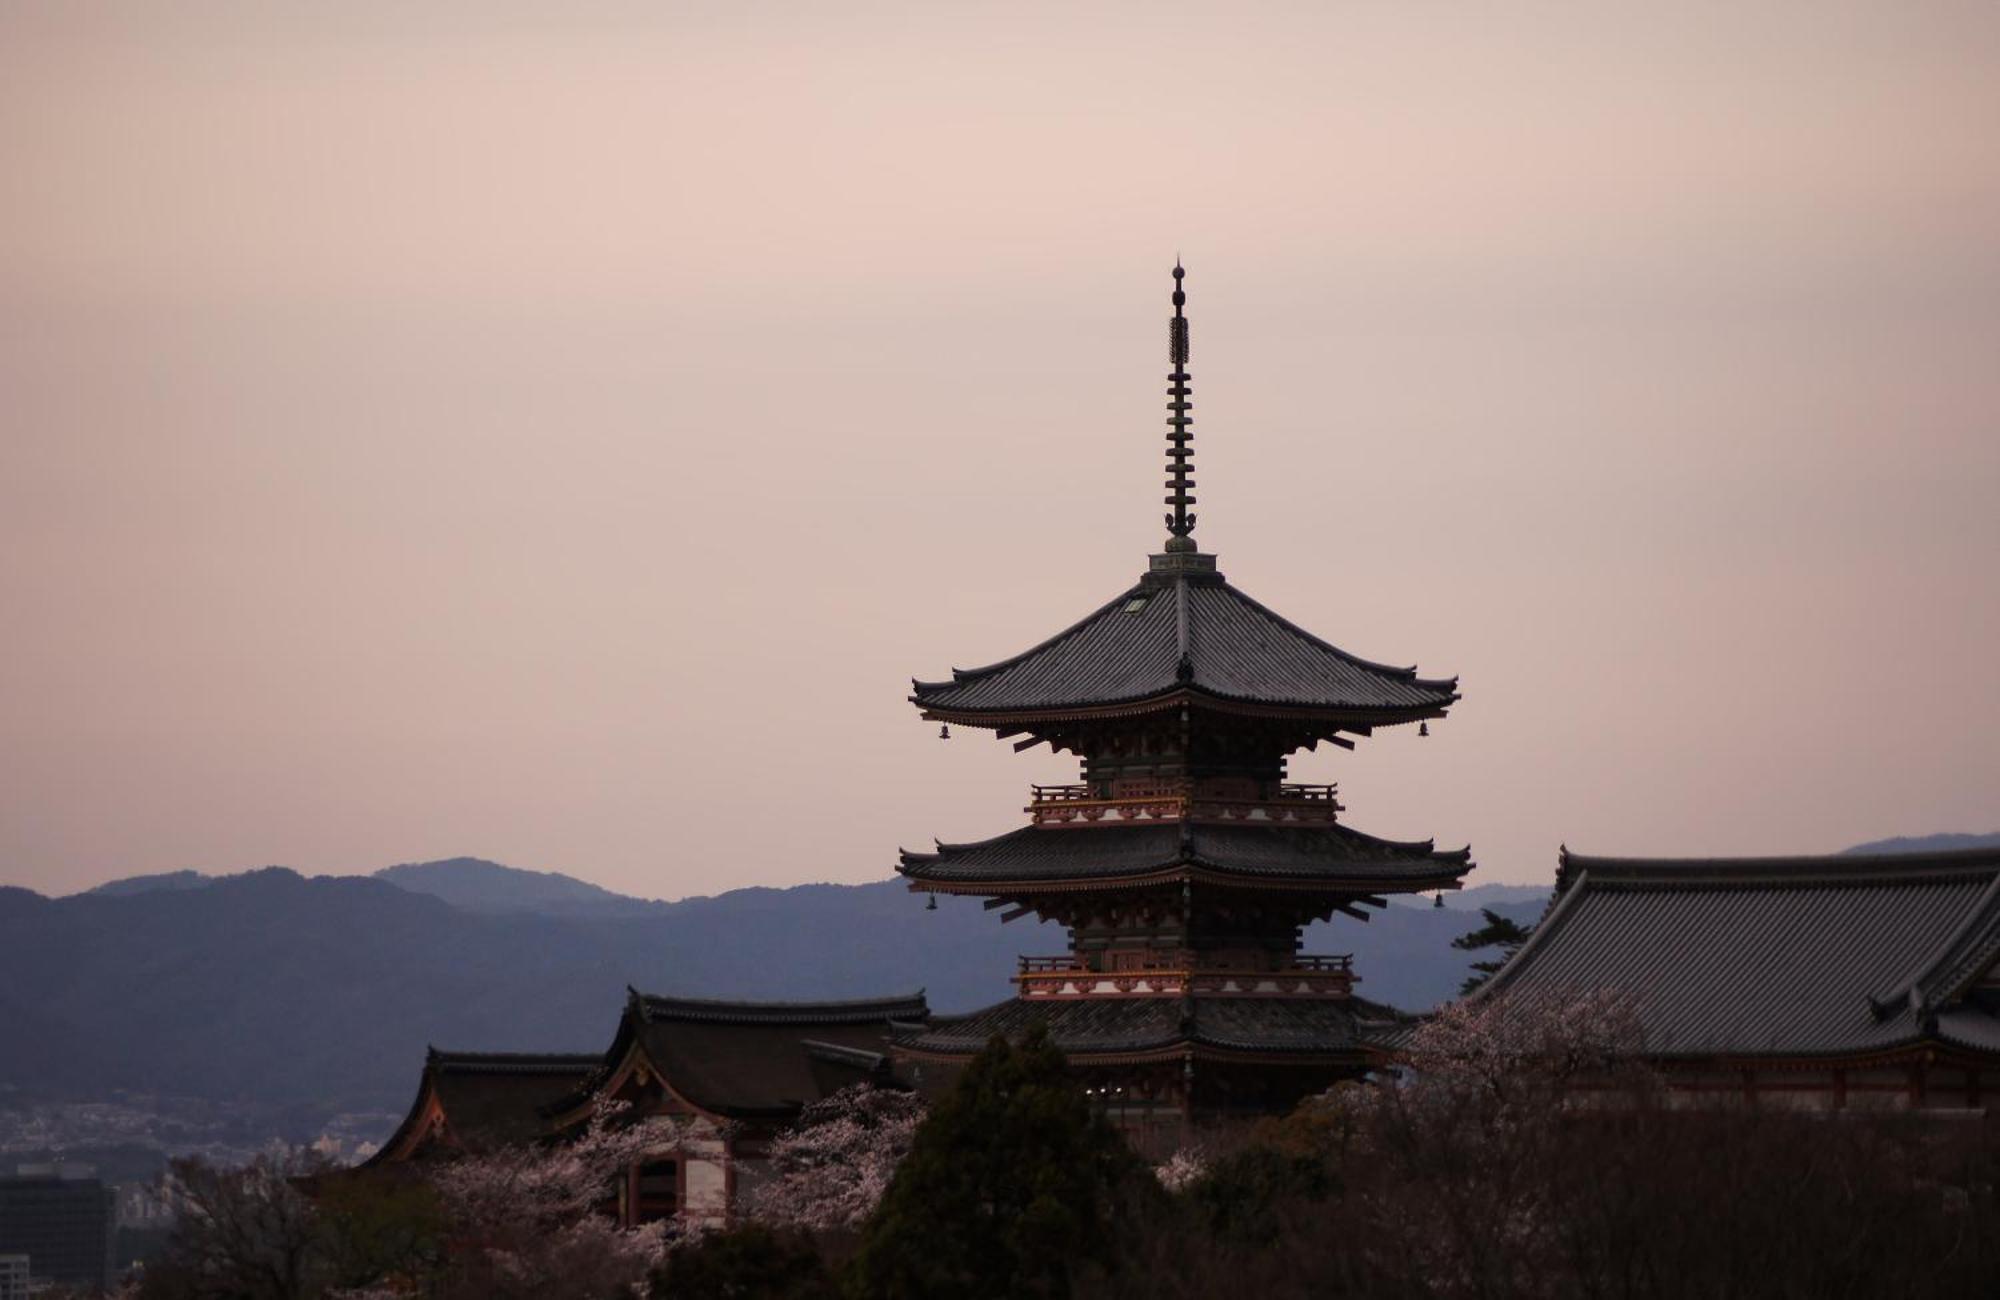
(1146, 1025)
(1184, 632)
(762, 1059)
(1802, 957)
(488, 1099)
(1328, 856)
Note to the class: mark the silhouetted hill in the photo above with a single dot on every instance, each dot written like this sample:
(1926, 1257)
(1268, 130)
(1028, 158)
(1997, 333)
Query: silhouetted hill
(1471, 900)
(321, 993)
(1927, 843)
(155, 883)
(483, 886)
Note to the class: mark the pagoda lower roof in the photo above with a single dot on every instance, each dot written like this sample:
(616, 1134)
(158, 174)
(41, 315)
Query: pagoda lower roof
(1149, 1026)
(1078, 857)
(1192, 634)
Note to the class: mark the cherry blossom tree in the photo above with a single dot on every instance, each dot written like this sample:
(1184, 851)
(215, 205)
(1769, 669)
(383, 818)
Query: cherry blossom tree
(1181, 1170)
(531, 1221)
(1512, 1048)
(828, 1172)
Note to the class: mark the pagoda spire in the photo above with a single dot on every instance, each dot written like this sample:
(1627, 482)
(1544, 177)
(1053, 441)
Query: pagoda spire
(1180, 456)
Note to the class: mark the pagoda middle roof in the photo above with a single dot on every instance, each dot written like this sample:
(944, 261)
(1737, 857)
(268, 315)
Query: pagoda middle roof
(1185, 632)
(1324, 856)
(1146, 1025)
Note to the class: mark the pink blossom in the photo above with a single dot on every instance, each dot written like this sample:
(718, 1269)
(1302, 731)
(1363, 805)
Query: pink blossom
(832, 1167)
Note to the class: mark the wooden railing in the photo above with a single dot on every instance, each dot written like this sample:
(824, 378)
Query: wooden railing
(1305, 975)
(1176, 801)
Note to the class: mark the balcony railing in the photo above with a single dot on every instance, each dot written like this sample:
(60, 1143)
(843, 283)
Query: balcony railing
(1178, 972)
(1175, 801)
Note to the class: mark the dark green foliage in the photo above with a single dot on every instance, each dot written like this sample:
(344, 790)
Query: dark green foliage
(751, 1262)
(378, 1224)
(1012, 1184)
(1498, 932)
(1235, 1198)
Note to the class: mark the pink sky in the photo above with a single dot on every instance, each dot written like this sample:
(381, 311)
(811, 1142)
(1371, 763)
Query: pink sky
(559, 435)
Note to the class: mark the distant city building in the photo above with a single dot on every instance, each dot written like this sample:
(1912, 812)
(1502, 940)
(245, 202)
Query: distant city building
(13, 1277)
(1843, 982)
(62, 1220)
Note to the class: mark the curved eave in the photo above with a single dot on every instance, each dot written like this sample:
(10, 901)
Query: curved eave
(1165, 1053)
(1452, 868)
(1199, 697)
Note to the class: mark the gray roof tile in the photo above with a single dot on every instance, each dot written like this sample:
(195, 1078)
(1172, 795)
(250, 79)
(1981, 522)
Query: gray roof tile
(1198, 633)
(1787, 956)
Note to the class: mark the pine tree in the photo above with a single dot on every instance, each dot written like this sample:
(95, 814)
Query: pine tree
(1011, 1183)
(1498, 932)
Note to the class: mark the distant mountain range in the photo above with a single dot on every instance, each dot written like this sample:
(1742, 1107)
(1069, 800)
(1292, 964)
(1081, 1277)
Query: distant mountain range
(318, 995)
(1927, 843)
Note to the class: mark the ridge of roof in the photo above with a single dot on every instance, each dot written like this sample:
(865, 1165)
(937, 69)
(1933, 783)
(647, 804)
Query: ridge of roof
(962, 675)
(1787, 870)
(1960, 959)
(653, 1007)
(1408, 674)
(512, 1062)
(844, 1055)
(1560, 905)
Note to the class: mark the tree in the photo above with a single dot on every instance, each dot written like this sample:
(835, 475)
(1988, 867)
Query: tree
(1498, 932)
(751, 1262)
(245, 1233)
(1011, 1183)
(529, 1221)
(830, 1169)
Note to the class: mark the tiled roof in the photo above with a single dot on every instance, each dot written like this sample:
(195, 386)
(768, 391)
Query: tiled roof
(489, 1099)
(1110, 1026)
(763, 1059)
(1330, 855)
(908, 1006)
(1196, 633)
(1817, 956)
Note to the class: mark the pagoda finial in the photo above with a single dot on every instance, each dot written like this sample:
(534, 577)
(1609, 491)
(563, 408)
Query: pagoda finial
(1180, 524)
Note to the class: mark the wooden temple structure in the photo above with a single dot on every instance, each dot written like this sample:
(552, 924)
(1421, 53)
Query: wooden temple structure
(1852, 981)
(1182, 863)
(735, 1072)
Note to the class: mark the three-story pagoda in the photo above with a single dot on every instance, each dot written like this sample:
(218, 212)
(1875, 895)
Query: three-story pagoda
(1183, 863)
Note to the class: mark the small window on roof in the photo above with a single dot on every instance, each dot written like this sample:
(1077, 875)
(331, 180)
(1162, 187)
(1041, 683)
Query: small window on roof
(1136, 604)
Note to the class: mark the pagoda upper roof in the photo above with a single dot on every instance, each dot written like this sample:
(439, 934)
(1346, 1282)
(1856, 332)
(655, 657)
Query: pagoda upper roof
(1328, 856)
(1801, 957)
(1186, 631)
(1139, 1026)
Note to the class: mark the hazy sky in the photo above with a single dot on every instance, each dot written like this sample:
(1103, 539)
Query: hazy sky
(559, 435)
